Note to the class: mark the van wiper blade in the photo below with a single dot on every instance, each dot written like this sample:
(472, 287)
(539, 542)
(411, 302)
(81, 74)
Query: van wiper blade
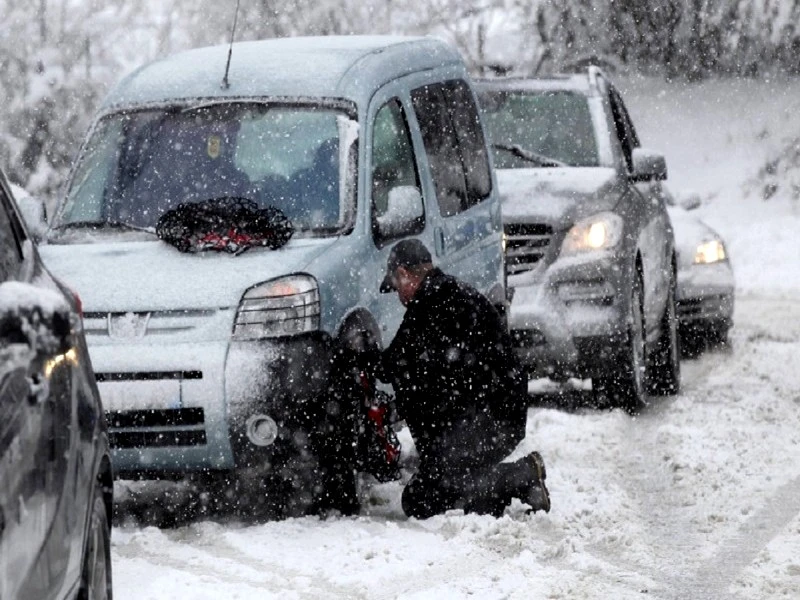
(538, 159)
(103, 225)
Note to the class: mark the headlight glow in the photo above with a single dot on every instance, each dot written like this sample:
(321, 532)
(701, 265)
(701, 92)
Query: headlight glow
(285, 306)
(710, 252)
(599, 232)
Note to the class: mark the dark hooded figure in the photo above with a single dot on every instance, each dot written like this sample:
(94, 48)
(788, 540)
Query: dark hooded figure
(461, 391)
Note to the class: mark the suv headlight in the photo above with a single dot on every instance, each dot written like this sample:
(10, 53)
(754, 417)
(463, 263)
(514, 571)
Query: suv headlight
(709, 252)
(285, 306)
(598, 232)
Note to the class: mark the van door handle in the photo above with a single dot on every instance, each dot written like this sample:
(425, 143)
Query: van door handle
(439, 241)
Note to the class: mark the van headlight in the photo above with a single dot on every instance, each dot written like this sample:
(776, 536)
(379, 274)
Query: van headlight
(285, 306)
(599, 232)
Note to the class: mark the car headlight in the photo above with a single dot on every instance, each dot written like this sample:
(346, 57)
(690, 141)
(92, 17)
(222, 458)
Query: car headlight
(599, 232)
(709, 252)
(285, 306)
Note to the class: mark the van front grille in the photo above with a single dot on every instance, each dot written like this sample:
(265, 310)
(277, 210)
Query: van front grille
(156, 427)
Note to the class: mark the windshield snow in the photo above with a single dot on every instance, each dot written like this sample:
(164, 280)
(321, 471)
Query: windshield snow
(138, 165)
(553, 127)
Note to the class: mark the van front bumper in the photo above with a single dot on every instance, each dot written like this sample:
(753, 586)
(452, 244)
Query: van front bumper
(174, 409)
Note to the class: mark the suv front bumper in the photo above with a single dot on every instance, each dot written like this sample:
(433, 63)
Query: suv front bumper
(572, 322)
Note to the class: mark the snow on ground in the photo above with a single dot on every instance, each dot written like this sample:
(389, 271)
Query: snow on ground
(698, 497)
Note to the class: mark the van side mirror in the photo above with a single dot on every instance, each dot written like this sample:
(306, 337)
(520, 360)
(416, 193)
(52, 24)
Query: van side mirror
(34, 213)
(404, 214)
(648, 166)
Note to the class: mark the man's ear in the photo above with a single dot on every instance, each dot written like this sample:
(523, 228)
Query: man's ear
(401, 271)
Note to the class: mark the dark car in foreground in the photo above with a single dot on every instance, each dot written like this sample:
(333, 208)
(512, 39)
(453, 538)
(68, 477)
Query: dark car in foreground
(706, 285)
(590, 253)
(55, 468)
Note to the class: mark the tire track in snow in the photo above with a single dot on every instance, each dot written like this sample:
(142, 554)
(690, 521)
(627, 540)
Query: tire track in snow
(676, 542)
(226, 564)
(715, 576)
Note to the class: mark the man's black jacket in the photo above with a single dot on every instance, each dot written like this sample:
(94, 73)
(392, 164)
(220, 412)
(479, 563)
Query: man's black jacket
(452, 361)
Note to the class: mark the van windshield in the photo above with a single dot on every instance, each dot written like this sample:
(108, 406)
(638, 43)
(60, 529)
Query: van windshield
(139, 164)
(545, 129)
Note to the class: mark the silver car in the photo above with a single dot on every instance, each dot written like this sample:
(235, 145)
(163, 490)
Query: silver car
(706, 284)
(238, 362)
(590, 253)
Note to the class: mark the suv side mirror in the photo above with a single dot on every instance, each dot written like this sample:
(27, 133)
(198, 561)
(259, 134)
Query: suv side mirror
(404, 212)
(36, 317)
(34, 213)
(691, 201)
(648, 166)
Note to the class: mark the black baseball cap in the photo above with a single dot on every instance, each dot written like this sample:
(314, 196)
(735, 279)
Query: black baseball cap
(405, 253)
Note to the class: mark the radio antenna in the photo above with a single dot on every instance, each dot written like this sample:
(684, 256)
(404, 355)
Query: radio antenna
(225, 83)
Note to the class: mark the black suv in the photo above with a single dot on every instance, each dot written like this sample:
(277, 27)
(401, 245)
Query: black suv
(589, 246)
(55, 468)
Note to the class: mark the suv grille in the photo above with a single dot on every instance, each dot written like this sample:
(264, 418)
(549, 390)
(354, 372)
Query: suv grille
(526, 245)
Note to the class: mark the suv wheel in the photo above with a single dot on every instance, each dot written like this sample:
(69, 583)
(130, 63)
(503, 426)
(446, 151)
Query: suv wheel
(96, 569)
(664, 367)
(625, 387)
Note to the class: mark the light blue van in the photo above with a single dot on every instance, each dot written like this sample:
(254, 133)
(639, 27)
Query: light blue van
(218, 362)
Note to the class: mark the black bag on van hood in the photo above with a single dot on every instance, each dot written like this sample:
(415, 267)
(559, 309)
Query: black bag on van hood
(224, 224)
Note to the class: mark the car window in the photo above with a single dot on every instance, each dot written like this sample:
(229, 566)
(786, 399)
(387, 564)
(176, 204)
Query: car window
(393, 163)
(624, 126)
(10, 252)
(442, 147)
(555, 125)
(467, 126)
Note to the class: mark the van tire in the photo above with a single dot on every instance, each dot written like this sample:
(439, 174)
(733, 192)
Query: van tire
(337, 440)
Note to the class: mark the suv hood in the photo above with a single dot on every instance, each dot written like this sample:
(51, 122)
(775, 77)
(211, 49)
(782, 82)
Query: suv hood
(140, 276)
(557, 196)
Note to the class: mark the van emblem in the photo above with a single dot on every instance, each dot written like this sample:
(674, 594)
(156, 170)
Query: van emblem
(214, 146)
(128, 325)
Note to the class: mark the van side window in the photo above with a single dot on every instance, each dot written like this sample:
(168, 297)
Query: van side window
(393, 167)
(441, 146)
(451, 130)
(392, 155)
(466, 123)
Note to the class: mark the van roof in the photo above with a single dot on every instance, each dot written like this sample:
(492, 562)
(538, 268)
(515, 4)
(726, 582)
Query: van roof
(348, 67)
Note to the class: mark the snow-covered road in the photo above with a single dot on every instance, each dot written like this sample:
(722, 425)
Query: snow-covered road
(699, 497)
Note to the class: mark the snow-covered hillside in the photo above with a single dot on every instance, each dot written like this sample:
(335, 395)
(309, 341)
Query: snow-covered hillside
(699, 497)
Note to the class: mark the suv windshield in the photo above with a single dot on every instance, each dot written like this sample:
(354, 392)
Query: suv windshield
(540, 129)
(139, 164)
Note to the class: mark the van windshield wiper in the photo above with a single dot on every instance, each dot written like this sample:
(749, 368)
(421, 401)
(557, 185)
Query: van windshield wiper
(532, 157)
(103, 225)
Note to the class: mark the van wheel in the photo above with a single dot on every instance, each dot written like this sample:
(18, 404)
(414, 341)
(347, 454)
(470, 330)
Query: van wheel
(664, 367)
(96, 569)
(276, 483)
(337, 439)
(624, 387)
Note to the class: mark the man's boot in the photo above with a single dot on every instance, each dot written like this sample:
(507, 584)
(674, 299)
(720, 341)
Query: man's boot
(529, 473)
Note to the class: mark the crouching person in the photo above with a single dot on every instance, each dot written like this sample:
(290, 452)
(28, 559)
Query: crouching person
(461, 391)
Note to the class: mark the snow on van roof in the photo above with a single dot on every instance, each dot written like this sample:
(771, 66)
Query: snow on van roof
(349, 67)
